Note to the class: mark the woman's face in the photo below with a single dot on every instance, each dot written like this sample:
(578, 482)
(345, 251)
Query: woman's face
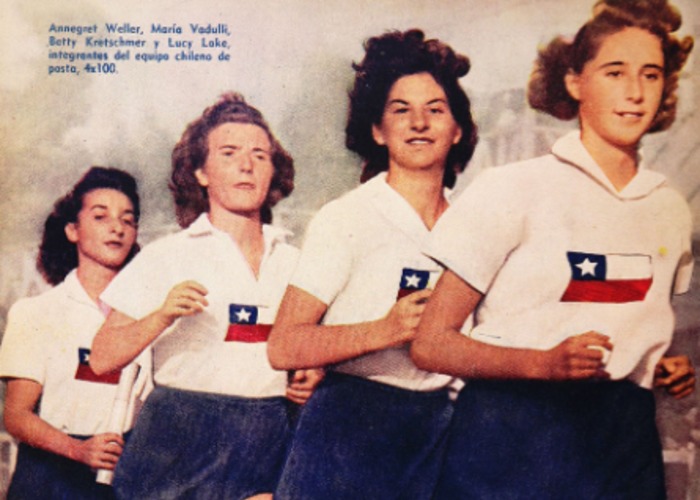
(619, 90)
(106, 229)
(238, 169)
(417, 125)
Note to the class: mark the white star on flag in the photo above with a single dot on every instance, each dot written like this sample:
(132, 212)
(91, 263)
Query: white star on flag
(243, 315)
(412, 281)
(587, 267)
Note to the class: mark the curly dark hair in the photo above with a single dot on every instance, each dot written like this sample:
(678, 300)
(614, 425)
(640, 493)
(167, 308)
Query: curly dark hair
(57, 255)
(387, 58)
(546, 88)
(190, 154)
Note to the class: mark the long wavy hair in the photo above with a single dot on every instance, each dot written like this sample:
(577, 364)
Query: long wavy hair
(392, 56)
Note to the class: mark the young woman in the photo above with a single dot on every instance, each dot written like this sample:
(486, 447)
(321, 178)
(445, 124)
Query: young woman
(375, 427)
(55, 405)
(570, 261)
(202, 300)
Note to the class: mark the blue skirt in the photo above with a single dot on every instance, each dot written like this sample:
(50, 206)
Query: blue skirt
(206, 446)
(361, 439)
(540, 440)
(43, 475)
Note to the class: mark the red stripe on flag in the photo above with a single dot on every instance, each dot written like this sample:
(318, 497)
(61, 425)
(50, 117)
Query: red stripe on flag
(611, 291)
(248, 333)
(85, 373)
(405, 292)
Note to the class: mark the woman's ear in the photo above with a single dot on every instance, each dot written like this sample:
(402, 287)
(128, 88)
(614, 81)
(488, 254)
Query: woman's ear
(572, 81)
(71, 232)
(457, 137)
(201, 177)
(378, 135)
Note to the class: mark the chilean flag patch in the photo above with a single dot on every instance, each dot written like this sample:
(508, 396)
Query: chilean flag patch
(611, 278)
(412, 280)
(243, 325)
(84, 372)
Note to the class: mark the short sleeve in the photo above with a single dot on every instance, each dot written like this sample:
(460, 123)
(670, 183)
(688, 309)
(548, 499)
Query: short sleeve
(140, 287)
(326, 256)
(22, 354)
(684, 271)
(475, 235)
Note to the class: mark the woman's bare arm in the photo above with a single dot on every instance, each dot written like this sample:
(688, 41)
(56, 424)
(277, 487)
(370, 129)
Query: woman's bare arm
(440, 347)
(297, 341)
(100, 451)
(121, 338)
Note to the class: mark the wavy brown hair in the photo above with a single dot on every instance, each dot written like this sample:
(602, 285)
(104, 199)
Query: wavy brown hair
(392, 56)
(190, 154)
(57, 255)
(546, 89)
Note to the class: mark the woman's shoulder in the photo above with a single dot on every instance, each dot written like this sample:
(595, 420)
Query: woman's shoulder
(36, 307)
(675, 204)
(162, 245)
(346, 206)
(519, 174)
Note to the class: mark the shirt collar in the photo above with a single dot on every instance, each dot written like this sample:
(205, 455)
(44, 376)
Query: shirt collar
(396, 208)
(202, 226)
(75, 291)
(380, 184)
(571, 150)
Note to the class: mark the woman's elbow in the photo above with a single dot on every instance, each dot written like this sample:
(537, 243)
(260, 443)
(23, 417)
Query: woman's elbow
(421, 353)
(15, 419)
(11, 422)
(276, 353)
(100, 363)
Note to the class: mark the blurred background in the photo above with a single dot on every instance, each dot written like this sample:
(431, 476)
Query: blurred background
(293, 61)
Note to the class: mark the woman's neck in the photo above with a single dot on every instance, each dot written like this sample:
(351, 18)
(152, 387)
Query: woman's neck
(619, 163)
(245, 230)
(94, 278)
(422, 189)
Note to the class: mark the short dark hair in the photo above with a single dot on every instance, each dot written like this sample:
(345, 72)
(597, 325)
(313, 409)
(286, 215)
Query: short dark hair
(547, 90)
(190, 154)
(57, 255)
(392, 56)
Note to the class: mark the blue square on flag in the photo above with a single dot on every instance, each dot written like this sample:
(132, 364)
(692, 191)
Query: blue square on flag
(412, 280)
(587, 266)
(83, 356)
(240, 314)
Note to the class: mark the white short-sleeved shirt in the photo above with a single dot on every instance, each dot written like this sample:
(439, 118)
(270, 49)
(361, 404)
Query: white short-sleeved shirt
(360, 251)
(558, 251)
(197, 352)
(47, 340)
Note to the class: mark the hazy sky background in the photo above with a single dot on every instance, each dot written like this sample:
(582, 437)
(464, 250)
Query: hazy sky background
(291, 59)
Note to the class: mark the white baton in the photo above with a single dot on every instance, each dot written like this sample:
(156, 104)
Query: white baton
(120, 408)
